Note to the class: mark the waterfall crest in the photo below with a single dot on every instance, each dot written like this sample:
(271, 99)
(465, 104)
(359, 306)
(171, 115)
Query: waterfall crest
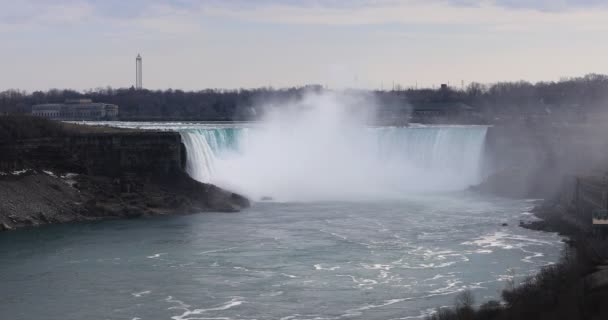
(295, 165)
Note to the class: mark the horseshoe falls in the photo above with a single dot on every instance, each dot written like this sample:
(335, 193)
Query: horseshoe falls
(353, 164)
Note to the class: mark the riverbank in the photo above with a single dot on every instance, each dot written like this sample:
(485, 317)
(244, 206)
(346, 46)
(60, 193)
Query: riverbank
(576, 287)
(60, 173)
(565, 165)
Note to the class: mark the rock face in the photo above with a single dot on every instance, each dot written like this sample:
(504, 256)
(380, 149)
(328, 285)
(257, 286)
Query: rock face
(99, 175)
(532, 160)
(106, 154)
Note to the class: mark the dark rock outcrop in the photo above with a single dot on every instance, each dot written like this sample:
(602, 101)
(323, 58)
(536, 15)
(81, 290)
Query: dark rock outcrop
(106, 154)
(98, 174)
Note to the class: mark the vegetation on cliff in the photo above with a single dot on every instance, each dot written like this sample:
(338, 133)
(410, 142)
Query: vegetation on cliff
(20, 127)
(16, 127)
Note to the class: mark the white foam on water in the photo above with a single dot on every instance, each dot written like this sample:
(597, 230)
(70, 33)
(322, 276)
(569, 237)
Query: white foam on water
(320, 267)
(451, 287)
(241, 268)
(383, 304)
(141, 294)
(528, 259)
(376, 266)
(216, 250)
(423, 315)
(508, 241)
(505, 277)
(439, 276)
(272, 294)
(360, 282)
(298, 316)
(188, 312)
(156, 255)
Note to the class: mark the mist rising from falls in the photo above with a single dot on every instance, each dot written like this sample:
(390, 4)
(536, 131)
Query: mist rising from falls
(321, 149)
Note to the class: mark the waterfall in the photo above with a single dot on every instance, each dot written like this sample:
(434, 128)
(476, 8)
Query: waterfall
(203, 147)
(332, 165)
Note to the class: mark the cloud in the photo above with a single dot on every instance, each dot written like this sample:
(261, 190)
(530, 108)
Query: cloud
(109, 17)
(52, 12)
(154, 18)
(488, 15)
(552, 5)
(539, 5)
(188, 13)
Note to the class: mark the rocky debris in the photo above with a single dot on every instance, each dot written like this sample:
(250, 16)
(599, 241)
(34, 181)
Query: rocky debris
(35, 198)
(597, 280)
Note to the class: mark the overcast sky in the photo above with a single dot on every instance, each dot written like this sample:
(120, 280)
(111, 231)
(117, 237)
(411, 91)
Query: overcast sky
(187, 44)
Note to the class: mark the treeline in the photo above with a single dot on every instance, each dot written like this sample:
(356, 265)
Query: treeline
(16, 127)
(571, 96)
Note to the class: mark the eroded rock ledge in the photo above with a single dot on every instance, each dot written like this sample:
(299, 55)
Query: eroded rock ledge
(68, 173)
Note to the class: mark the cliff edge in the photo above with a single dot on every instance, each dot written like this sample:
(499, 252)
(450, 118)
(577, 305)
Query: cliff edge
(57, 173)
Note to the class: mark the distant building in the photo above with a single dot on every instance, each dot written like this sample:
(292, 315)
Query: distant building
(440, 112)
(76, 109)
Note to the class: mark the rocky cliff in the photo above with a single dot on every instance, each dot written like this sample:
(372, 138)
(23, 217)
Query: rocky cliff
(83, 174)
(532, 160)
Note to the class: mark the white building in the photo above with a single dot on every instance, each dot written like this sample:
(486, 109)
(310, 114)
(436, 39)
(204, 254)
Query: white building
(76, 109)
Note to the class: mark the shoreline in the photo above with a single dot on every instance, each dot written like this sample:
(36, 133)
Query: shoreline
(575, 287)
(549, 222)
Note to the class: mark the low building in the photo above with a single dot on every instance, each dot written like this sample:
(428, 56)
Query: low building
(435, 112)
(76, 109)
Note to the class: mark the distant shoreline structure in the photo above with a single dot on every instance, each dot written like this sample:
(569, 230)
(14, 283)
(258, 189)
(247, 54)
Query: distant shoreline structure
(76, 109)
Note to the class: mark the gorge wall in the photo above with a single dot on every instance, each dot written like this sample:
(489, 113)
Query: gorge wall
(534, 161)
(99, 174)
(107, 154)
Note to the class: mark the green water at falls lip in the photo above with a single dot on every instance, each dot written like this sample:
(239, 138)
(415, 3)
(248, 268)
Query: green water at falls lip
(331, 260)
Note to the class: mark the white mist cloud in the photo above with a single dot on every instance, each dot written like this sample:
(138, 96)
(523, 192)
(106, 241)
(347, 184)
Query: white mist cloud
(320, 148)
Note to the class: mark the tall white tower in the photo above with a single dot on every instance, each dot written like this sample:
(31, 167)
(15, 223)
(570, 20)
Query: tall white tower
(138, 74)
